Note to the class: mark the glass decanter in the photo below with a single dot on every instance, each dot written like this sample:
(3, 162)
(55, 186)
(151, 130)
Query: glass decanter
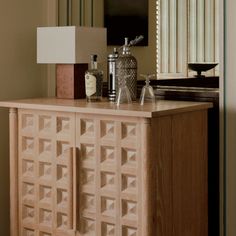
(123, 92)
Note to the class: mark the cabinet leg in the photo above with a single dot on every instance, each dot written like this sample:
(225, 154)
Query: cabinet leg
(13, 172)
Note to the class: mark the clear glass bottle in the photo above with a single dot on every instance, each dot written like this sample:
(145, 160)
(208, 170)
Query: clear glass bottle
(123, 95)
(93, 81)
(126, 65)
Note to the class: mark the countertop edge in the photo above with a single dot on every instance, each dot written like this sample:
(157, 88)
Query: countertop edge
(142, 114)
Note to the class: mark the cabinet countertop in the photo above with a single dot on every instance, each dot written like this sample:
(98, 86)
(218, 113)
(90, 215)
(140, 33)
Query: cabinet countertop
(161, 107)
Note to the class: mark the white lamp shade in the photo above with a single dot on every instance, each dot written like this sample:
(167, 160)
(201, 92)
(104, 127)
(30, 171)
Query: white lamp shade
(70, 44)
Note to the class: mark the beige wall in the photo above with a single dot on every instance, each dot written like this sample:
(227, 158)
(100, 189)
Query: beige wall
(230, 101)
(20, 76)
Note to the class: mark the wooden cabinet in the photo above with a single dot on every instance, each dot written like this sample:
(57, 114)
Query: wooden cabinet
(95, 169)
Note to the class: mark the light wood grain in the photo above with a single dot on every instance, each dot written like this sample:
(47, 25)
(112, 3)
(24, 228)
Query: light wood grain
(190, 205)
(180, 147)
(45, 172)
(110, 176)
(85, 174)
(162, 151)
(161, 108)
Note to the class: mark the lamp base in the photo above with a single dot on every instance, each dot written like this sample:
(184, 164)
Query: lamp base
(70, 80)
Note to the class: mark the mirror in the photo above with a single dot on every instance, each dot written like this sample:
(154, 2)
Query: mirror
(179, 32)
(90, 13)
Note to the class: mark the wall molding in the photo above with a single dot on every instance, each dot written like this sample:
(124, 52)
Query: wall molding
(187, 31)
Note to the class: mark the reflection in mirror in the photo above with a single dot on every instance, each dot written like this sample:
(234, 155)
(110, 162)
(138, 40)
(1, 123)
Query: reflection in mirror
(91, 12)
(179, 32)
(126, 20)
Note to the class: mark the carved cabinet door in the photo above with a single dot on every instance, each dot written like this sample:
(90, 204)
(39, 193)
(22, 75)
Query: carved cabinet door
(110, 199)
(46, 162)
(80, 174)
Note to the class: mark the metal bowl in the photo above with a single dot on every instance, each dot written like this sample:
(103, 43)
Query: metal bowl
(203, 66)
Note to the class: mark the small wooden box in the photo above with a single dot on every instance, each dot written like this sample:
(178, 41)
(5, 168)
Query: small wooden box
(70, 80)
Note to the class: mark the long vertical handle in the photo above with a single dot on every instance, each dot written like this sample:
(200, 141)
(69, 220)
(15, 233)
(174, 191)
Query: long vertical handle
(76, 192)
(70, 204)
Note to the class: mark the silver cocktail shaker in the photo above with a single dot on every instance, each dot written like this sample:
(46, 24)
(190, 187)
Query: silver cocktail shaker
(111, 71)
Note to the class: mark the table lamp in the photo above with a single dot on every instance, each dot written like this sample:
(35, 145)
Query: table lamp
(70, 47)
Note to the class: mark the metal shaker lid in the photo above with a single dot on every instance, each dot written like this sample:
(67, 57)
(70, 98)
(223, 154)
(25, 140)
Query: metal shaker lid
(113, 55)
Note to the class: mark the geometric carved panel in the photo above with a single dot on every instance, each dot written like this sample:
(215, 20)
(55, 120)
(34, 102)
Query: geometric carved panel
(45, 170)
(45, 178)
(129, 231)
(63, 125)
(129, 157)
(28, 191)
(45, 146)
(28, 145)
(88, 152)
(87, 127)
(108, 180)
(107, 129)
(63, 149)
(45, 194)
(105, 190)
(128, 130)
(28, 213)
(88, 202)
(44, 234)
(129, 209)
(108, 155)
(27, 122)
(45, 217)
(28, 168)
(89, 227)
(108, 206)
(28, 232)
(88, 177)
(45, 123)
(62, 197)
(62, 221)
(108, 229)
(129, 183)
(62, 173)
